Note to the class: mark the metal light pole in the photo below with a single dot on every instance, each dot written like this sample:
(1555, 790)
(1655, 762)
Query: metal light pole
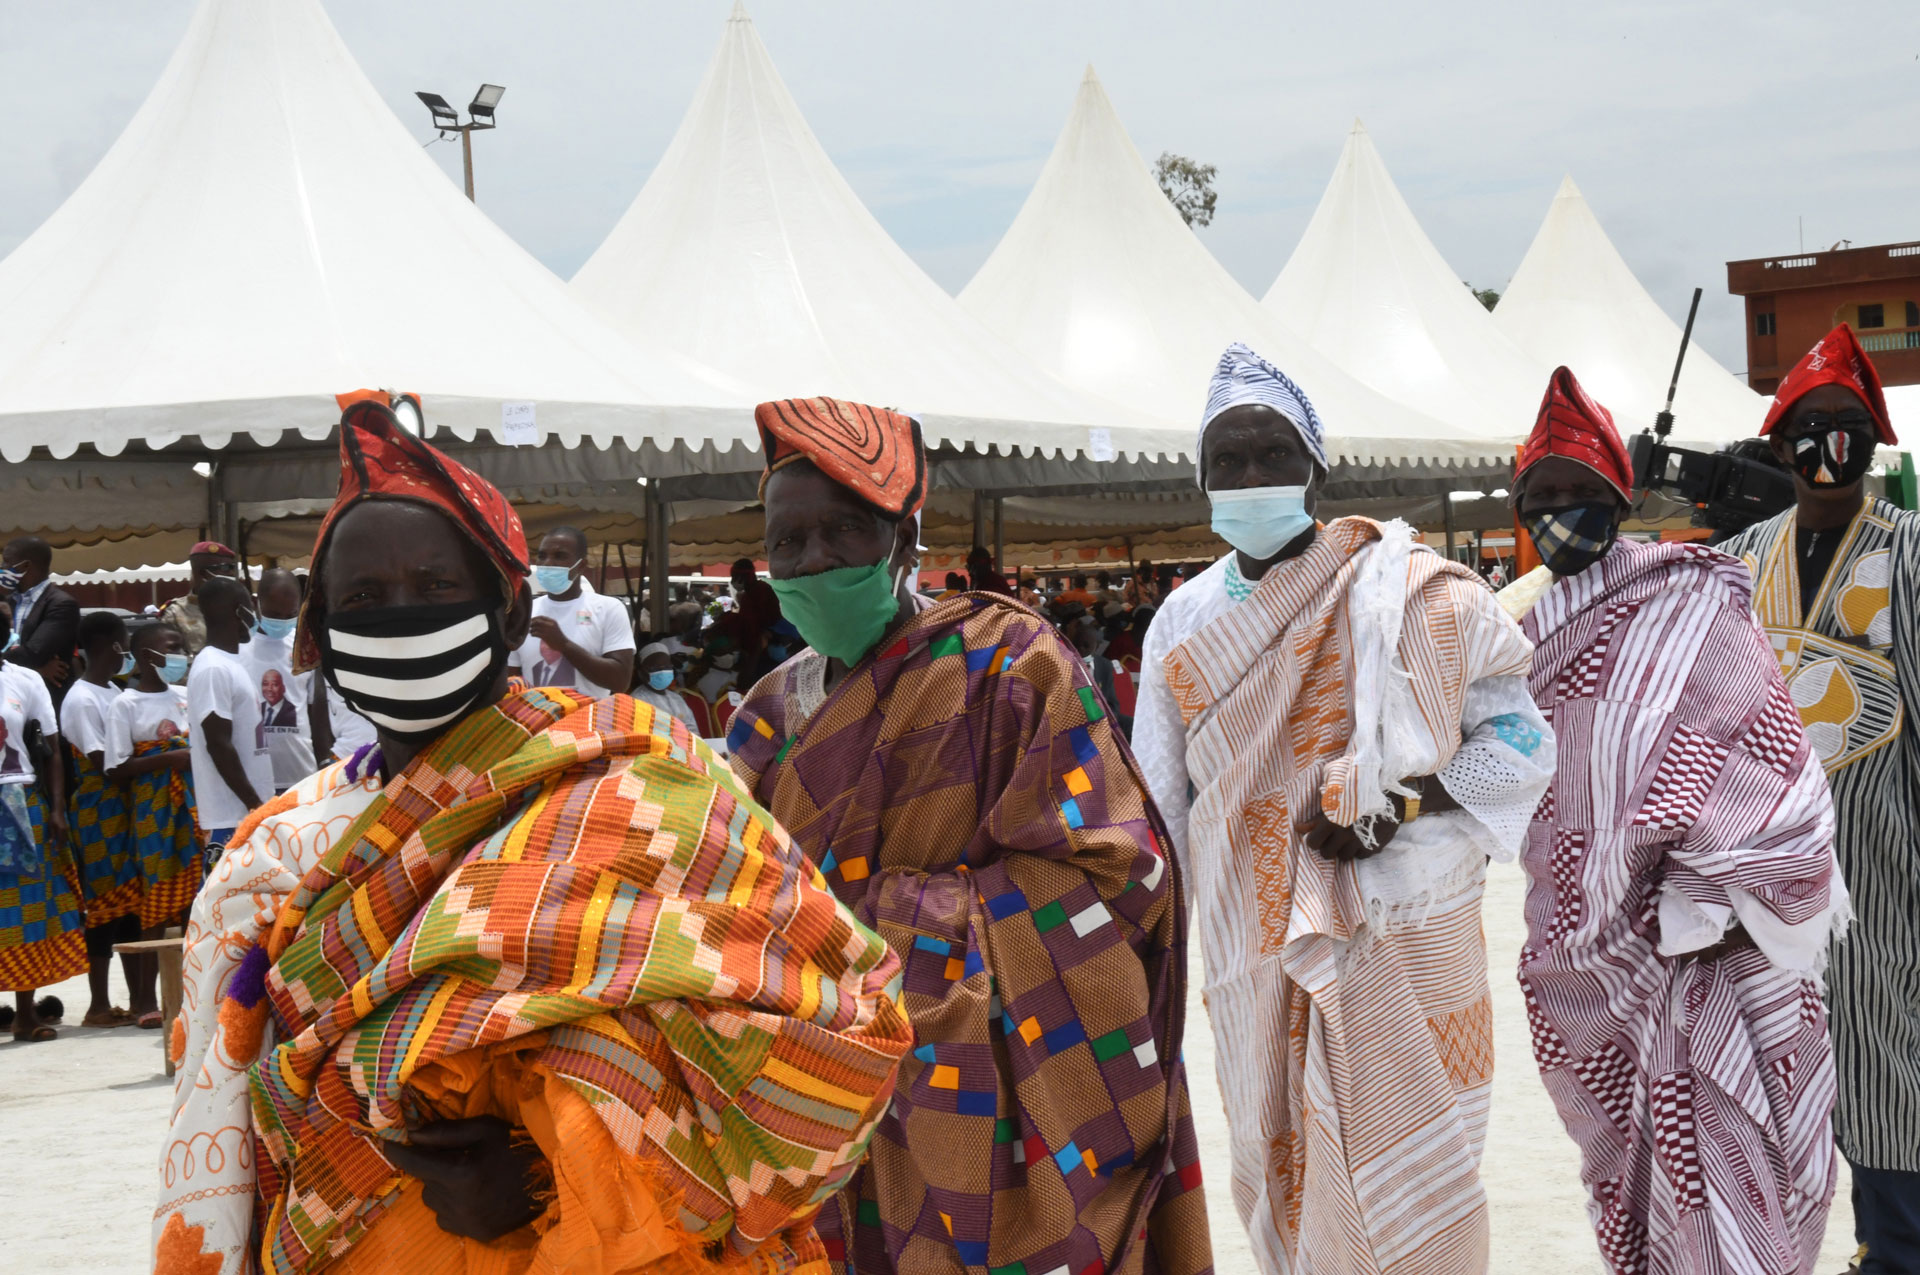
(479, 117)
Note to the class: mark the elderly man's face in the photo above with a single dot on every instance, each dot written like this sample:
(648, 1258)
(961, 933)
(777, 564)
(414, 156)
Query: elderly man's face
(658, 662)
(394, 553)
(1557, 482)
(272, 689)
(1254, 446)
(814, 524)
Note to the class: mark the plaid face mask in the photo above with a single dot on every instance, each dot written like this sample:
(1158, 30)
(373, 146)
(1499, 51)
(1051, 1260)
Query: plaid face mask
(1574, 537)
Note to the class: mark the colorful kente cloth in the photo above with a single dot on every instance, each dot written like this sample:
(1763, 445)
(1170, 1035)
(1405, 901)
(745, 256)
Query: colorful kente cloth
(565, 912)
(102, 833)
(165, 841)
(42, 932)
(966, 794)
(1852, 664)
(1352, 1018)
(1686, 799)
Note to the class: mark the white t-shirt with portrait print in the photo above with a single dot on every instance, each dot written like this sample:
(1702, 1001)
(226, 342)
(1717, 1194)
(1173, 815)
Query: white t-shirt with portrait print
(23, 699)
(139, 717)
(593, 621)
(221, 685)
(283, 698)
(83, 715)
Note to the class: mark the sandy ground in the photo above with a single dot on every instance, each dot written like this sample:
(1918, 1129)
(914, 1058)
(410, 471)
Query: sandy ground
(81, 1119)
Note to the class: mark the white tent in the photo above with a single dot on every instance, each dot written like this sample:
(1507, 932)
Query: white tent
(747, 250)
(264, 235)
(1368, 288)
(1099, 281)
(1573, 301)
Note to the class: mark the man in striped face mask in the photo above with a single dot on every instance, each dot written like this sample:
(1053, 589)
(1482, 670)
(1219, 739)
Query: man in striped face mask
(451, 987)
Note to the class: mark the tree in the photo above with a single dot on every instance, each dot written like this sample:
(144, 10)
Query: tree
(1188, 185)
(1485, 296)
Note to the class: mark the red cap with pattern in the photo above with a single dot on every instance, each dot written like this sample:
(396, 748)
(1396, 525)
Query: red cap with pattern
(1571, 424)
(874, 452)
(1836, 360)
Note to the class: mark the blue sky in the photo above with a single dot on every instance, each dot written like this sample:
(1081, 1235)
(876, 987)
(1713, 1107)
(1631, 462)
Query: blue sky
(1700, 132)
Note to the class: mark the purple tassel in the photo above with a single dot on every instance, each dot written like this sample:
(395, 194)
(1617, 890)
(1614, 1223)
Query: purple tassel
(365, 760)
(249, 982)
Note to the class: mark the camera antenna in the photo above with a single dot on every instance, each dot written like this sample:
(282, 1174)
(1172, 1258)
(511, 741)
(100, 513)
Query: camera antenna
(1663, 423)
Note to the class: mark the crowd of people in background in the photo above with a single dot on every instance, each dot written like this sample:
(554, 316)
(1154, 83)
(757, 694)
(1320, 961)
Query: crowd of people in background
(137, 743)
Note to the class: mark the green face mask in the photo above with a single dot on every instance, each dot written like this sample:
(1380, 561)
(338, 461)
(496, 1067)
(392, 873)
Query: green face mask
(841, 613)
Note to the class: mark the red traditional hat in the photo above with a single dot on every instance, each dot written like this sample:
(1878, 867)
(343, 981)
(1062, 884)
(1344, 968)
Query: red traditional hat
(1572, 425)
(875, 453)
(381, 461)
(1836, 360)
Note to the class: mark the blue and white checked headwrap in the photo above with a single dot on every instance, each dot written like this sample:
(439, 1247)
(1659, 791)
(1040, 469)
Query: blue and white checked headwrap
(1244, 377)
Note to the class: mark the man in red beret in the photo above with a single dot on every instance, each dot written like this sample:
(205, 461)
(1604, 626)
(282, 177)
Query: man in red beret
(1836, 586)
(1681, 884)
(205, 560)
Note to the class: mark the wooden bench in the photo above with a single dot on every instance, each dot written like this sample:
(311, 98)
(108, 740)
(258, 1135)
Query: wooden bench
(170, 951)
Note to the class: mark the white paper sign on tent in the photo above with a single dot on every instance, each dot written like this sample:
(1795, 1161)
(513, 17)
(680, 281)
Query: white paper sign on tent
(1100, 444)
(516, 425)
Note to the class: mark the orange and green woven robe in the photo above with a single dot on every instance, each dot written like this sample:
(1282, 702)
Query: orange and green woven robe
(564, 912)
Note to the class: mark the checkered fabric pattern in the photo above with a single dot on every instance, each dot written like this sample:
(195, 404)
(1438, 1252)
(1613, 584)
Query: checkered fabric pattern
(166, 842)
(587, 869)
(964, 788)
(42, 935)
(102, 832)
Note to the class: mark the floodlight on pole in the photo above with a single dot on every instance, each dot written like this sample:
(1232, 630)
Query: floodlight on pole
(446, 119)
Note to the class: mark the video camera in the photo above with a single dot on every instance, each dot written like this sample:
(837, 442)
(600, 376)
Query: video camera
(1729, 491)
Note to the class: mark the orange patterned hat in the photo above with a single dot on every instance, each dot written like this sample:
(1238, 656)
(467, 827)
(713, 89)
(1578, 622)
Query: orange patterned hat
(875, 453)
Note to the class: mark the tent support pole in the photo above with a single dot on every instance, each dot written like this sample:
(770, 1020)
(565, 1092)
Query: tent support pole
(1446, 518)
(999, 533)
(979, 517)
(658, 517)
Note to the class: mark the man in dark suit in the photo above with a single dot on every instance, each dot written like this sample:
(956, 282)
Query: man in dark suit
(46, 617)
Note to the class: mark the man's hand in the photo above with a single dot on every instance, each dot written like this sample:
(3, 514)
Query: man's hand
(547, 629)
(479, 1184)
(56, 817)
(1341, 844)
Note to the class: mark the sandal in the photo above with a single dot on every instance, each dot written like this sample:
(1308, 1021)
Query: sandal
(112, 1016)
(38, 1034)
(150, 1020)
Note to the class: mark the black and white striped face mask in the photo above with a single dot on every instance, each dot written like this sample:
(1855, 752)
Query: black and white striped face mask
(411, 670)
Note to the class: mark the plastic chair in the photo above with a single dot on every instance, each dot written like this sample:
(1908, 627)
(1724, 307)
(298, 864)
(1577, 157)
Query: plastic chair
(723, 711)
(702, 712)
(1123, 691)
(1131, 663)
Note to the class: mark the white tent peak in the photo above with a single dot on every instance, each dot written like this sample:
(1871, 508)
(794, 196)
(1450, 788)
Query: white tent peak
(1574, 302)
(1359, 126)
(748, 250)
(265, 235)
(739, 13)
(1368, 288)
(1091, 76)
(1100, 281)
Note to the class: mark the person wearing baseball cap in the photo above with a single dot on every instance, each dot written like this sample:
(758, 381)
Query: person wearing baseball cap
(205, 560)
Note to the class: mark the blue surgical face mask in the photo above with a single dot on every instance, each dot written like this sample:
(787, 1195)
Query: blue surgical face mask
(660, 679)
(777, 653)
(126, 665)
(1260, 521)
(553, 579)
(173, 669)
(278, 630)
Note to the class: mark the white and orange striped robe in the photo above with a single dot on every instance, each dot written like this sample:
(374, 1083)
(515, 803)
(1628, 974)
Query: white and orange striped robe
(1349, 1002)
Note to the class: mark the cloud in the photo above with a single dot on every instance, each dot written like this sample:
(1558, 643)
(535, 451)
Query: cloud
(1699, 132)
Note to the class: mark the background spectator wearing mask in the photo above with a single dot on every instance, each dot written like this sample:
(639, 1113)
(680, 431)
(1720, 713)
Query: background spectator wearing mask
(204, 561)
(46, 618)
(297, 731)
(657, 678)
(580, 638)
